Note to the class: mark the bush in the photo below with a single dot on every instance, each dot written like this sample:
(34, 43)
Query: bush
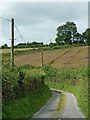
(11, 83)
(24, 92)
(25, 108)
(20, 81)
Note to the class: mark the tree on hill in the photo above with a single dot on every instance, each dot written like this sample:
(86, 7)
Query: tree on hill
(79, 39)
(66, 33)
(86, 36)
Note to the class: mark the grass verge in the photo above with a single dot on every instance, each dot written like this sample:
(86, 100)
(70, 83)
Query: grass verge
(23, 91)
(70, 80)
(27, 106)
(61, 104)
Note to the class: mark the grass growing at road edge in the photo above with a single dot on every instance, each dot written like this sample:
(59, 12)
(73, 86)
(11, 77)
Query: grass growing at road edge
(70, 80)
(27, 106)
(61, 104)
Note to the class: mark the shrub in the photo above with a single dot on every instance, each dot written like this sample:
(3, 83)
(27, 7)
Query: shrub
(20, 81)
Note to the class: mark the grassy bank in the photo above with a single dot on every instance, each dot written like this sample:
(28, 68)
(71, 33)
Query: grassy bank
(73, 81)
(23, 90)
(27, 106)
(34, 93)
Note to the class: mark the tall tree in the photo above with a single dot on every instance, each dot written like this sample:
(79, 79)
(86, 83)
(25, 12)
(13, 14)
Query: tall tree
(66, 33)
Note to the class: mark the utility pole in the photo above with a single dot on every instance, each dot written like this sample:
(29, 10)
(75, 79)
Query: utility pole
(41, 58)
(12, 42)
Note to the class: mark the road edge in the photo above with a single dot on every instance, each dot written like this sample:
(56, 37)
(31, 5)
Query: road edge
(76, 103)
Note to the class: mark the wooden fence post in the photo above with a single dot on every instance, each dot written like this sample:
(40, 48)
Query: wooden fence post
(41, 58)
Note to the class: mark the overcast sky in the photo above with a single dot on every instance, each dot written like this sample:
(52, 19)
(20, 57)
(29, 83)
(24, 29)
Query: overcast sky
(38, 21)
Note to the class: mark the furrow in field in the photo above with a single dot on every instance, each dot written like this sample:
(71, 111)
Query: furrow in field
(51, 62)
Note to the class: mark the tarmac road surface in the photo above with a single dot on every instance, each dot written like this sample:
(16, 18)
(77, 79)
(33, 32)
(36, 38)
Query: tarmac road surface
(70, 109)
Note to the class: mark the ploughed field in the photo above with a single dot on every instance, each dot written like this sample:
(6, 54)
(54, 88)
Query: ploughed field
(75, 57)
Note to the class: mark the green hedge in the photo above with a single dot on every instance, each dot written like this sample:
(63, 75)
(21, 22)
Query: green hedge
(20, 81)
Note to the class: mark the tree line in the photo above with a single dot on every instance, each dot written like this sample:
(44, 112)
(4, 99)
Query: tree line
(67, 34)
(25, 45)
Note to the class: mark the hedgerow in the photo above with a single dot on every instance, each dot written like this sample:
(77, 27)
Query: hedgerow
(18, 82)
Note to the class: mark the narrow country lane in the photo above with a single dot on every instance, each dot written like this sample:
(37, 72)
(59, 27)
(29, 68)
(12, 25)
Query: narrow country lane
(69, 110)
(48, 110)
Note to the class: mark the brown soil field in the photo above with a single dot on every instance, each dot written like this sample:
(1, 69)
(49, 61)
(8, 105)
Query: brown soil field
(75, 57)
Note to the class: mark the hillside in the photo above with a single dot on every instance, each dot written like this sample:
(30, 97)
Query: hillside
(74, 81)
(75, 57)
